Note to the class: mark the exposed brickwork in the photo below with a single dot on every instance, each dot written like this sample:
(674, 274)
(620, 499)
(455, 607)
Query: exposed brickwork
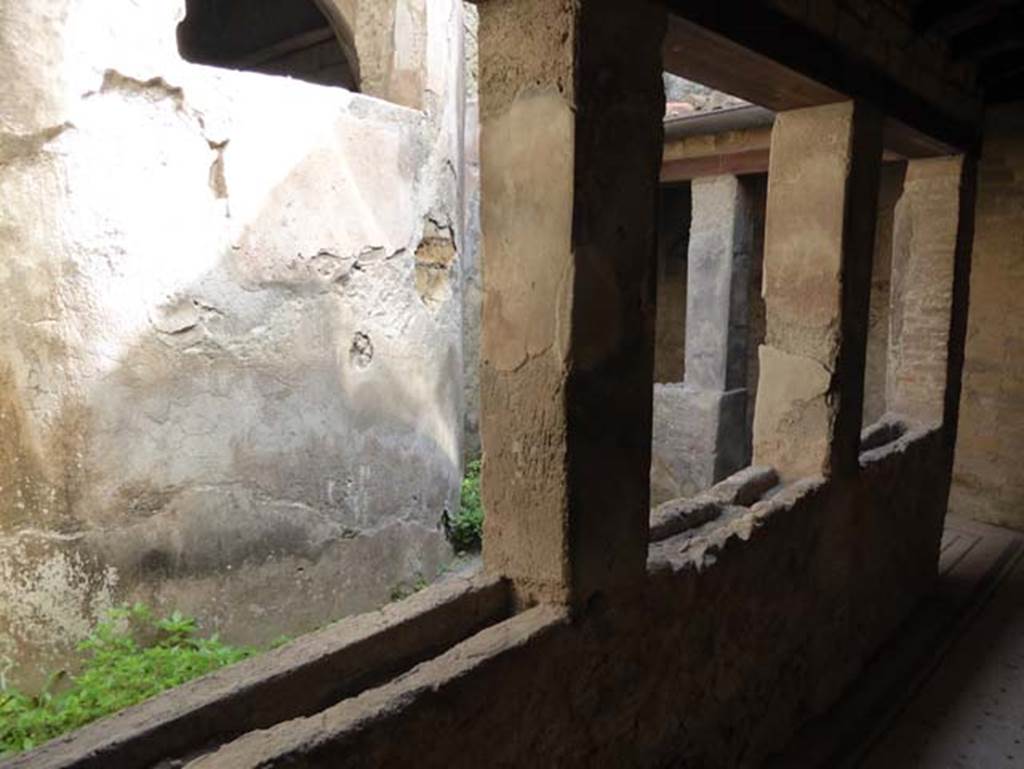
(923, 265)
(988, 482)
(876, 365)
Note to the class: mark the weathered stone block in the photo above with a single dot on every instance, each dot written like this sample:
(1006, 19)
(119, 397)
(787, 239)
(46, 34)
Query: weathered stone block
(568, 316)
(794, 419)
(820, 233)
(699, 438)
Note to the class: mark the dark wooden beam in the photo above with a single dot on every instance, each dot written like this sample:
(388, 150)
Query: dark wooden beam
(704, 56)
(903, 141)
(1001, 67)
(758, 53)
(738, 164)
(946, 18)
(1004, 33)
(1007, 90)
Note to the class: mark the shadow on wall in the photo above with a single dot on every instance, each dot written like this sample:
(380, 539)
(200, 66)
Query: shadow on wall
(232, 380)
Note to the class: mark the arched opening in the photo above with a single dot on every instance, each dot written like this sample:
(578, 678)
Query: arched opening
(294, 38)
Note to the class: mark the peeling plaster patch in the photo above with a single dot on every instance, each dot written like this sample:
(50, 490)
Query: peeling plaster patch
(332, 268)
(154, 89)
(175, 316)
(361, 352)
(179, 315)
(434, 259)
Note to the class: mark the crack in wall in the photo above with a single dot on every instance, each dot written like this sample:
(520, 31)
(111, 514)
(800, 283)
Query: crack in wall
(218, 179)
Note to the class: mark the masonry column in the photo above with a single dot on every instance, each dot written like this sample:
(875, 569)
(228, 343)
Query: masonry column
(700, 430)
(571, 108)
(926, 240)
(822, 208)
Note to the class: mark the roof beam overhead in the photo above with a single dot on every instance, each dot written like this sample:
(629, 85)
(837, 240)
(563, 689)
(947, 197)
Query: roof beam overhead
(701, 55)
(759, 54)
(947, 18)
(1005, 32)
(1008, 89)
(1000, 67)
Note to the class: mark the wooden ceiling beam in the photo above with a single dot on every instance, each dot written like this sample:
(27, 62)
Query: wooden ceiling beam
(1007, 90)
(947, 18)
(756, 52)
(1004, 33)
(1001, 67)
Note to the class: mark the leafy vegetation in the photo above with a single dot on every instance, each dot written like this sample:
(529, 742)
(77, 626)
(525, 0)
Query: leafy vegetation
(465, 529)
(405, 589)
(133, 655)
(130, 657)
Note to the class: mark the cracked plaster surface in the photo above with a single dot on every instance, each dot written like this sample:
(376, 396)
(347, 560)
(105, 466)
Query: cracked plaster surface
(189, 255)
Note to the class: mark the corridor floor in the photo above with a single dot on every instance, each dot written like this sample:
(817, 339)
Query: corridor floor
(948, 692)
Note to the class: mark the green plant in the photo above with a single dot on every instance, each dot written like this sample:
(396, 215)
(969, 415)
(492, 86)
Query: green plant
(404, 589)
(465, 529)
(130, 657)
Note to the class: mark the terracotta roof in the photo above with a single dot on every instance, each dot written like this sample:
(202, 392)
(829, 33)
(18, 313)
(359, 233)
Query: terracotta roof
(685, 97)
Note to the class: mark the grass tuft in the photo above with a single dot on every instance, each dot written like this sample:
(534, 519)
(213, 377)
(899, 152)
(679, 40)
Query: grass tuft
(130, 656)
(465, 529)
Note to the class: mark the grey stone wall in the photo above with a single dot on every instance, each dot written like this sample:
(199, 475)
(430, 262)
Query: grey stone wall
(230, 341)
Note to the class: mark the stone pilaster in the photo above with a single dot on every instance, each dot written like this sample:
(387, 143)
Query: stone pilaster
(822, 207)
(568, 210)
(700, 432)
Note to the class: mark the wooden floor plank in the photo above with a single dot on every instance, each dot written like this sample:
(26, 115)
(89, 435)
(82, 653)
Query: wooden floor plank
(980, 568)
(970, 713)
